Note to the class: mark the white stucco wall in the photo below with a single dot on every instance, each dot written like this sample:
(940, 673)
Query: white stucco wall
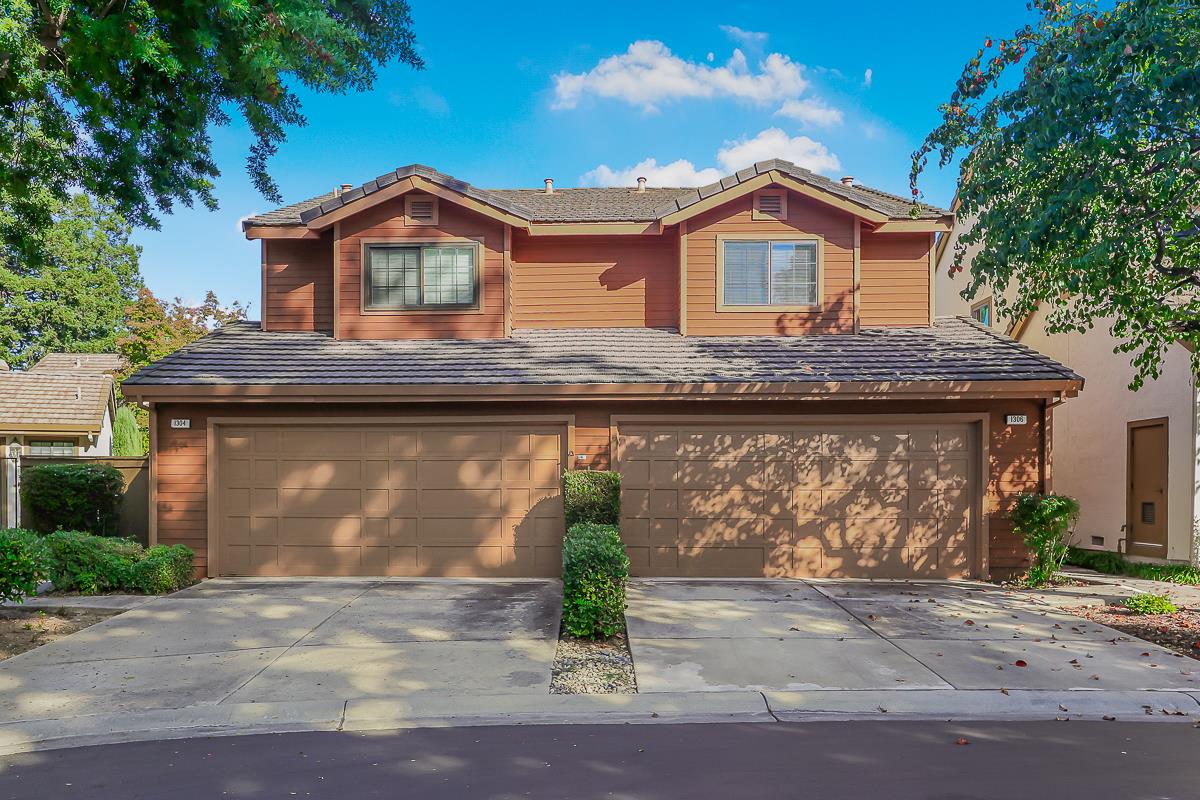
(1090, 432)
(103, 444)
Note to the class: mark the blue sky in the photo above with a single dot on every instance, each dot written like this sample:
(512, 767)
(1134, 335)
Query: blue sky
(587, 94)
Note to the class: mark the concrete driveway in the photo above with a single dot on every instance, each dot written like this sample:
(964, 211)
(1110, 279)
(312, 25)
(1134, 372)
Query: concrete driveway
(260, 641)
(717, 635)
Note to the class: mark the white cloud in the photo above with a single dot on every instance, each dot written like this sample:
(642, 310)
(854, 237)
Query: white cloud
(735, 155)
(810, 112)
(678, 173)
(747, 38)
(868, 77)
(648, 73)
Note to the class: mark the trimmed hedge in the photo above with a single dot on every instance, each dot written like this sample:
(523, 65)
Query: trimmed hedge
(73, 497)
(24, 563)
(595, 569)
(1111, 563)
(91, 564)
(163, 569)
(592, 496)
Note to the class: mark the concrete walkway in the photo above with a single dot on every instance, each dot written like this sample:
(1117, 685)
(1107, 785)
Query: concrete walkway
(705, 636)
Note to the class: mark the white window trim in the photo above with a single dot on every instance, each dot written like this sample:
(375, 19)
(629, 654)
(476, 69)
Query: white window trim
(803, 238)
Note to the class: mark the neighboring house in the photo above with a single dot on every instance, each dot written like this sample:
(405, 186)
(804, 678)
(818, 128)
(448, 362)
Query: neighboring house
(63, 406)
(1130, 458)
(758, 358)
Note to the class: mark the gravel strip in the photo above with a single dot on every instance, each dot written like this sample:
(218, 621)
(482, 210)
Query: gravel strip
(1179, 632)
(583, 666)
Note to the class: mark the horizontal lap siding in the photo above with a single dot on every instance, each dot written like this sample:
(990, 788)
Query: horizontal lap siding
(895, 279)
(595, 282)
(805, 216)
(298, 284)
(386, 221)
(1015, 460)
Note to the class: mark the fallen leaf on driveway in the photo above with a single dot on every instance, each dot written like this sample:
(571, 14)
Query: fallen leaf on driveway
(1004, 691)
(962, 741)
(1020, 663)
(1109, 718)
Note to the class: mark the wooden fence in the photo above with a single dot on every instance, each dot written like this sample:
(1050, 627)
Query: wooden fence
(135, 502)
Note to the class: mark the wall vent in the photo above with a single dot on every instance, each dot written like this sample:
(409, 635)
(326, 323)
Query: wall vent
(420, 209)
(770, 205)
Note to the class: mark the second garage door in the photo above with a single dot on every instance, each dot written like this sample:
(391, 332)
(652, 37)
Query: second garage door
(466, 500)
(865, 499)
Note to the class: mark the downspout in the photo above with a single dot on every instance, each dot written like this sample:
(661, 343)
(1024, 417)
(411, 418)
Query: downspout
(1194, 555)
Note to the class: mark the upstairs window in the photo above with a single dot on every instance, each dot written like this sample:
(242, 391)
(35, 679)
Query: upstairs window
(770, 273)
(982, 312)
(422, 277)
(52, 448)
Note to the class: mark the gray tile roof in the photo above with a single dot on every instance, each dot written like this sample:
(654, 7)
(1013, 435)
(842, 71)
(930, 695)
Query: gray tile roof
(592, 205)
(954, 349)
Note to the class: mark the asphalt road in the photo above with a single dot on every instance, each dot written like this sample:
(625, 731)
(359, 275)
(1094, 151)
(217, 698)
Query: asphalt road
(827, 760)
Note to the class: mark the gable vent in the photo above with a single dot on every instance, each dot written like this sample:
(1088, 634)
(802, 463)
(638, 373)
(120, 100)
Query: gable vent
(420, 210)
(770, 203)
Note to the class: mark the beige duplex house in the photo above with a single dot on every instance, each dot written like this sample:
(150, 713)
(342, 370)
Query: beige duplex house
(1132, 459)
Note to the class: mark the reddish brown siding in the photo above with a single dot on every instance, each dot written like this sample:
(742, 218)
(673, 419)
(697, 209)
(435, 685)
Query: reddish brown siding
(386, 222)
(594, 281)
(895, 278)
(1015, 453)
(298, 291)
(805, 216)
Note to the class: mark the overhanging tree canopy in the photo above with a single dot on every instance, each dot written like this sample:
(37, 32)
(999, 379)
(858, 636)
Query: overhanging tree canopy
(115, 97)
(1080, 137)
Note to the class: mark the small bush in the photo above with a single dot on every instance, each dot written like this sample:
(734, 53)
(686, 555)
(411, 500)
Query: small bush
(24, 563)
(1111, 563)
(76, 497)
(592, 496)
(1150, 604)
(595, 569)
(88, 564)
(1044, 522)
(162, 569)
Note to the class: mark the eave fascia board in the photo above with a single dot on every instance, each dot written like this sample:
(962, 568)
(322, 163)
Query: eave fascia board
(280, 232)
(595, 228)
(766, 179)
(374, 393)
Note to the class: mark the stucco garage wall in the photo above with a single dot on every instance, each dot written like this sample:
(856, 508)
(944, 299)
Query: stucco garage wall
(181, 473)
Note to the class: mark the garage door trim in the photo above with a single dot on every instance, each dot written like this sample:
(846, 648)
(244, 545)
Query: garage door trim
(212, 450)
(978, 419)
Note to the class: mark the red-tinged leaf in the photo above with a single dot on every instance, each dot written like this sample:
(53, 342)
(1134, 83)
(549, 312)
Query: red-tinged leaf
(968, 622)
(961, 741)
(1020, 663)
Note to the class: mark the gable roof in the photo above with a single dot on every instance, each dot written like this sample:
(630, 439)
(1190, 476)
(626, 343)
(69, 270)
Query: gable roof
(594, 205)
(953, 350)
(104, 363)
(40, 400)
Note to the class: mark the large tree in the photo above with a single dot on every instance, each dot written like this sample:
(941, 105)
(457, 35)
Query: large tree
(1080, 144)
(74, 298)
(116, 97)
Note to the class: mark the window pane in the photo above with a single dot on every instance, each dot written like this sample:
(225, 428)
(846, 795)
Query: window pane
(794, 273)
(393, 276)
(746, 273)
(449, 274)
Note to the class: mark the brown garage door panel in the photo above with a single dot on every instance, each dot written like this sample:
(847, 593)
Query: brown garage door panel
(860, 500)
(461, 500)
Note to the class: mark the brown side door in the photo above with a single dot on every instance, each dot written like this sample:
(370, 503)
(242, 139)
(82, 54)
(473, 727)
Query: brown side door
(1146, 527)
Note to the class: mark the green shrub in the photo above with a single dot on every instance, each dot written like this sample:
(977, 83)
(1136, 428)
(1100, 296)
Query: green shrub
(127, 434)
(592, 496)
(1111, 563)
(162, 569)
(78, 497)
(595, 569)
(1150, 604)
(90, 564)
(1044, 522)
(24, 563)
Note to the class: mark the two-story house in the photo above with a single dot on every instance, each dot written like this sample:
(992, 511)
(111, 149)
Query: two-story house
(758, 358)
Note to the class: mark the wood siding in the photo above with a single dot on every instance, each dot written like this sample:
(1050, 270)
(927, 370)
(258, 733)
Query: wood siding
(1015, 461)
(595, 282)
(386, 222)
(805, 217)
(895, 279)
(298, 289)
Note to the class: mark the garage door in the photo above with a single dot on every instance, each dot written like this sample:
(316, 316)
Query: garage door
(860, 500)
(390, 500)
